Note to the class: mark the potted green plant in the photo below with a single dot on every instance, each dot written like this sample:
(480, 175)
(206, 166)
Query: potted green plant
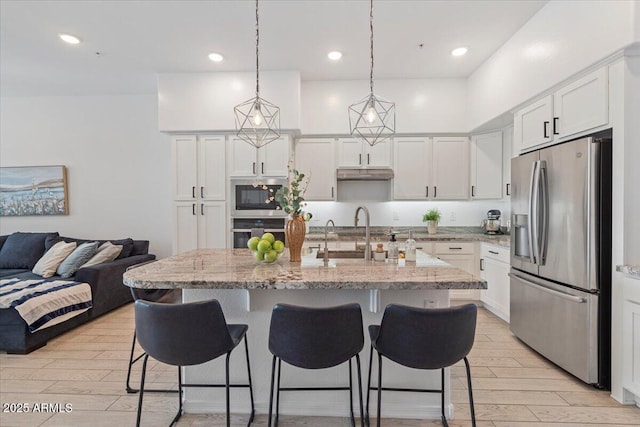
(432, 217)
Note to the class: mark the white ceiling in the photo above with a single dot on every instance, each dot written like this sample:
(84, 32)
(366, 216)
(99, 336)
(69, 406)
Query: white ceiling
(126, 43)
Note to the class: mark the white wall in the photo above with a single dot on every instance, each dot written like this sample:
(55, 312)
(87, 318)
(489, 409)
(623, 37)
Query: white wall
(563, 38)
(422, 105)
(117, 163)
(204, 101)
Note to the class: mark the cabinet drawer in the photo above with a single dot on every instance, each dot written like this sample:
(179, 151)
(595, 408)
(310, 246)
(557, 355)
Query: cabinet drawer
(499, 253)
(454, 248)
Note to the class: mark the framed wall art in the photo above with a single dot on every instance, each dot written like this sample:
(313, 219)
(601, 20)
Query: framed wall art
(33, 190)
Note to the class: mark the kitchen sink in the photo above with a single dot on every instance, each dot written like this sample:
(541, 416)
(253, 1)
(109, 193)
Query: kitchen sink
(344, 254)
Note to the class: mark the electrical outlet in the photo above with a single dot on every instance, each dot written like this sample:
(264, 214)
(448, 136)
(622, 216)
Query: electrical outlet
(430, 303)
(452, 217)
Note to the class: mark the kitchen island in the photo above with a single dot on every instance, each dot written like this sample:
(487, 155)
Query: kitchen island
(248, 291)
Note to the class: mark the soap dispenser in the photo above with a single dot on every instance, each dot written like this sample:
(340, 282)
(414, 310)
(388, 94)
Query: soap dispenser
(392, 248)
(410, 248)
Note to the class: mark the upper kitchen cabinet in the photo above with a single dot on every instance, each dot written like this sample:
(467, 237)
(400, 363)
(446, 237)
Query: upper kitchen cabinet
(507, 153)
(412, 168)
(575, 108)
(271, 160)
(198, 167)
(486, 166)
(354, 153)
(315, 157)
(450, 168)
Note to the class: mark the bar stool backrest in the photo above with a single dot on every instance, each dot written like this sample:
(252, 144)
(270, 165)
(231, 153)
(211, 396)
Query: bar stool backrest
(316, 338)
(182, 334)
(426, 338)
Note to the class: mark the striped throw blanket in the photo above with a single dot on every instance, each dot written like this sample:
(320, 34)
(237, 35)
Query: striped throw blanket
(45, 302)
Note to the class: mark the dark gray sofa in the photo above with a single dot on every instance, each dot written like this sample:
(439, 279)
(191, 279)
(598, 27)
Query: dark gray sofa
(105, 280)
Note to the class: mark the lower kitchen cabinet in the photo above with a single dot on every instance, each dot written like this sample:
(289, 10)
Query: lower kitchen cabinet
(494, 268)
(461, 255)
(198, 226)
(631, 338)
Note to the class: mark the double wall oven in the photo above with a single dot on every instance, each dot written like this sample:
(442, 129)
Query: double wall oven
(253, 210)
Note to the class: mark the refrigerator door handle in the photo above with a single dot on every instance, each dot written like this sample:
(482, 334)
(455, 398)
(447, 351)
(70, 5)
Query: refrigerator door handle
(532, 217)
(568, 297)
(542, 255)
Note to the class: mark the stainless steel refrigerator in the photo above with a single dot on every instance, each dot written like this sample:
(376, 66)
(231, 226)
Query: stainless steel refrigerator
(561, 255)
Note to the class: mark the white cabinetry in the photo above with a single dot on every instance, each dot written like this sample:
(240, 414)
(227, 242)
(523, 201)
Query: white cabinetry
(486, 166)
(577, 107)
(631, 337)
(198, 192)
(494, 268)
(461, 255)
(431, 168)
(412, 168)
(507, 152)
(245, 160)
(354, 153)
(316, 157)
(450, 168)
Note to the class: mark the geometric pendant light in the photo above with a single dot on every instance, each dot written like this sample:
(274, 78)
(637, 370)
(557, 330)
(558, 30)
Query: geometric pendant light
(372, 119)
(257, 120)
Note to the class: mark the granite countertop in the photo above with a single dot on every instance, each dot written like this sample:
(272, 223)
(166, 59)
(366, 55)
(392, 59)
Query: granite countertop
(236, 269)
(381, 234)
(630, 270)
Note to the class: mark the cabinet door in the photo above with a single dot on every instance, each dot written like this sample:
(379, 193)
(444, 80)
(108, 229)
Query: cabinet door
(316, 157)
(241, 158)
(582, 105)
(534, 123)
(185, 226)
(451, 168)
(507, 152)
(378, 155)
(350, 153)
(412, 168)
(273, 158)
(211, 167)
(185, 172)
(497, 294)
(212, 229)
(467, 264)
(486, 166)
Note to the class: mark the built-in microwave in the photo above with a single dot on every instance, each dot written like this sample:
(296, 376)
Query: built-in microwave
(242, 229)
(253, 198)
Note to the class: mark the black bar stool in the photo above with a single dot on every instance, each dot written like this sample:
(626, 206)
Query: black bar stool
(188, 334)
(423, 339)
(315, 338)
(164, 296)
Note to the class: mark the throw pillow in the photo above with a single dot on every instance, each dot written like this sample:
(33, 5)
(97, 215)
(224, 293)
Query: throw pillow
(23, 250)
(72, 263)
(48, 264)
(127, 247)
(106, 252)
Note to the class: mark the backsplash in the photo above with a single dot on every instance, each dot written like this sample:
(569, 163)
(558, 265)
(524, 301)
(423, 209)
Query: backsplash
(401, 213)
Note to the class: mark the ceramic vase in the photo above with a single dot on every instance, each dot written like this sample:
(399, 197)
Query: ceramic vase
(295, 229)
(432, 227)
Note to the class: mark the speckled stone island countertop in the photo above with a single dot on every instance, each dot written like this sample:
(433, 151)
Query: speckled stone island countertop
(630, 270)
(236, 269)
(381, 234)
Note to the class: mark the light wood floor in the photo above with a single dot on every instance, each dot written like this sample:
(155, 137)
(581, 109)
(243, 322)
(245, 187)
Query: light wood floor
(86, 367)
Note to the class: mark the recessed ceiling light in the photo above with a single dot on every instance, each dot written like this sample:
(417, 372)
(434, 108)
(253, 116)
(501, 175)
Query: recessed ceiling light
(334, 55)
(459, 51)
(216, 57)
(69, 38)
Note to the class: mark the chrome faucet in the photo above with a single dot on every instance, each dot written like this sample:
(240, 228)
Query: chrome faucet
(326, 228)
(367, 231)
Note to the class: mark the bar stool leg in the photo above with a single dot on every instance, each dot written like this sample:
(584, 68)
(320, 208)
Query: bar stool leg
(473, 412)
(379, 387)
(369, 384)
(444, 418)
(353, 419)
(226, 386)
(179, 414)
(278, 393)
(144, 372)
(273, 377)
(360, 390)
(253, 409)
(131, 362)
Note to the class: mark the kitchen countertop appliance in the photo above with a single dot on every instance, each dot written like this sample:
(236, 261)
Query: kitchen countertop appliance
(491, 225)
(561, 255)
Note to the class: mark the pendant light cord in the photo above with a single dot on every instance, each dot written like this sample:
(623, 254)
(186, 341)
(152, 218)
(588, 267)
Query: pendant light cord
(371, 40)
(258, 52)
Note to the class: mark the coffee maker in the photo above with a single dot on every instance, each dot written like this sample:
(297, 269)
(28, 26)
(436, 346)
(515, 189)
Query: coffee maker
(491, 225)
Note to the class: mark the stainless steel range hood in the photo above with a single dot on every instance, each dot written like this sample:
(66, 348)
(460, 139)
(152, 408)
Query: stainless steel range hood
(364, 174)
